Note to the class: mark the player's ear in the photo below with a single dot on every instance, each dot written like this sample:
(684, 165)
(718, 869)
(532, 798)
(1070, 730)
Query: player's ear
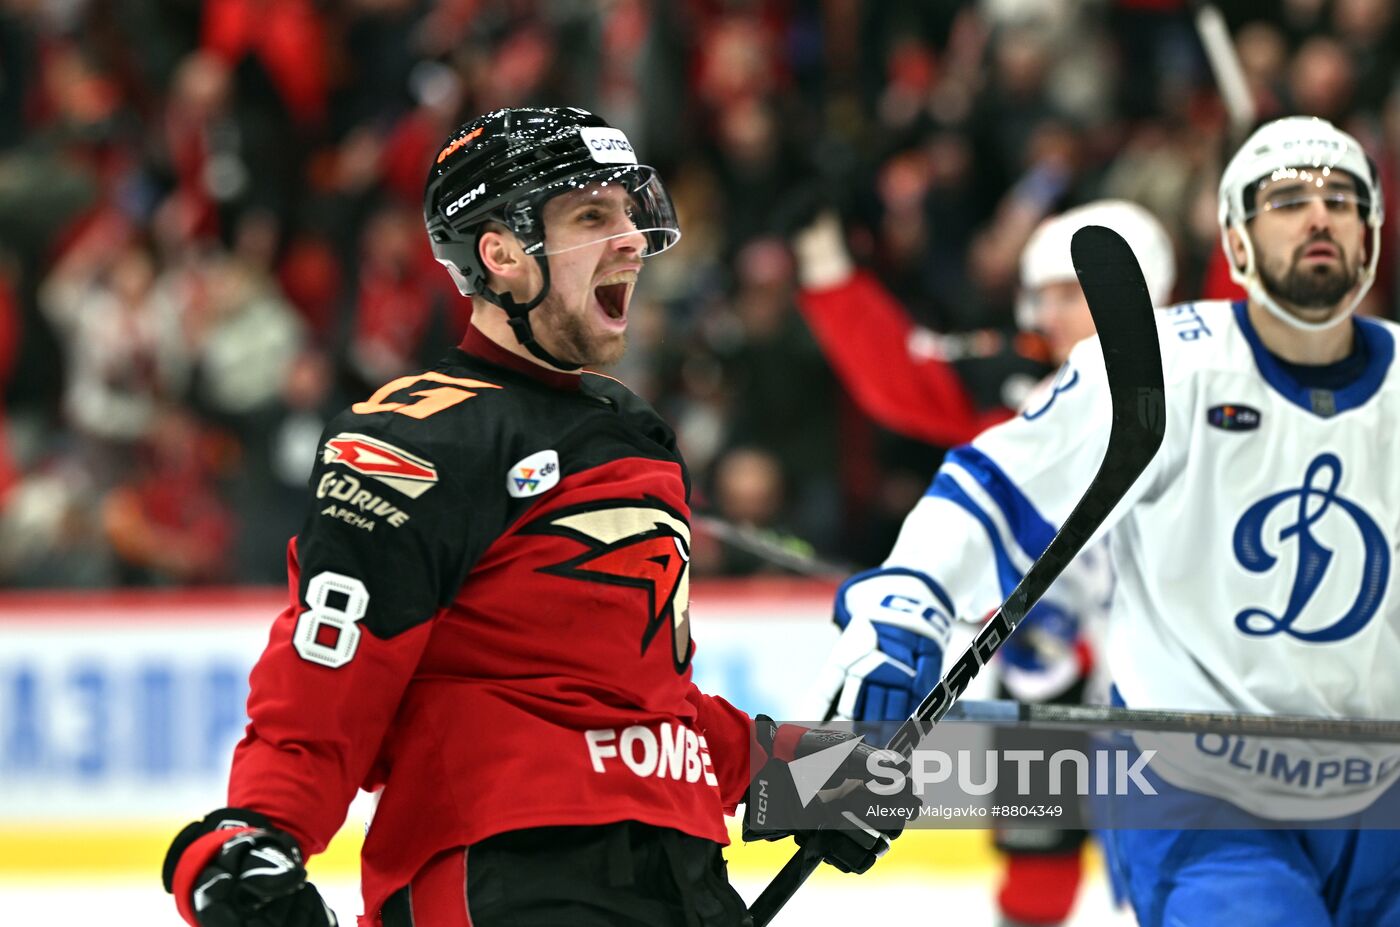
(501, 254)
(1237, 251)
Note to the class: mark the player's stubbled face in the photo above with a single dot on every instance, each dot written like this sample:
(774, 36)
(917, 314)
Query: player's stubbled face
(583, 320)
(1310, 240)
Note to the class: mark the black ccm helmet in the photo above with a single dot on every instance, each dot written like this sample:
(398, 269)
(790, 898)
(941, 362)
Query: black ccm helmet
(503, 166)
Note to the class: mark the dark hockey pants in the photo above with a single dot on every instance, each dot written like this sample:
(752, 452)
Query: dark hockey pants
(619, 875)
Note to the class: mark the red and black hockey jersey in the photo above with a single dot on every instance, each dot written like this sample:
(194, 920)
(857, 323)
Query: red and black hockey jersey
(490, 622)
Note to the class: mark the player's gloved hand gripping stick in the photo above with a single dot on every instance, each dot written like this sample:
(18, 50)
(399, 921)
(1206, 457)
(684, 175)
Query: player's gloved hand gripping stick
(1122, 311)
(255, 877)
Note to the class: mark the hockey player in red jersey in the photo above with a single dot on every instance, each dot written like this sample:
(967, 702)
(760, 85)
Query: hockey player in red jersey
(489, 619)
(906, 377)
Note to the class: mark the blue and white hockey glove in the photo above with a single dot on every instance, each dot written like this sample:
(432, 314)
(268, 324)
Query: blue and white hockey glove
(894, 624)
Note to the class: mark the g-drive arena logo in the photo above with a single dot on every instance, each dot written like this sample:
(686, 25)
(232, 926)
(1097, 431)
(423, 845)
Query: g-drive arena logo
(390, 465)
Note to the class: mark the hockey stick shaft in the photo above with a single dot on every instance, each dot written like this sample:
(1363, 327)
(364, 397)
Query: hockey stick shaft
(751, 541)
(1122, 311)
(1008, 713)
(1224, 62)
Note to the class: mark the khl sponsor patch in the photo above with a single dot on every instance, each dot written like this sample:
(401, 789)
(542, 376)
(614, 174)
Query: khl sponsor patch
(534, 474)
(1234, 417)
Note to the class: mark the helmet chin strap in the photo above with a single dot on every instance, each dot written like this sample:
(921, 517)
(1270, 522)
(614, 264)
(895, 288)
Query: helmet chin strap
(1250, 279)
(518, 315)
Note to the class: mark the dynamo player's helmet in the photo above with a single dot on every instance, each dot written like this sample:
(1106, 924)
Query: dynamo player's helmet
(1309, 148)
(503, 166)
(1046, 258)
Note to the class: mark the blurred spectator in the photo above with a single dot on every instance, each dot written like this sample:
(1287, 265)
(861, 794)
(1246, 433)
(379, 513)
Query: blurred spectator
(750, 493)
(1263, 57)
(64, 111)
(1321, 79)
(754, 168)
(1367, 30)
(51, 533)
(1160, 55)
(310, 276)
(279, 446)
(165, 520)
(397, 289)
(285, 37)
(782, 393)
(244, 337)
(1012, 106)
(122, 338)
(211, 215)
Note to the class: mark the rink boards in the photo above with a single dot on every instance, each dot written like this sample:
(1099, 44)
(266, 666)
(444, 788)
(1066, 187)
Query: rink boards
(118, 713)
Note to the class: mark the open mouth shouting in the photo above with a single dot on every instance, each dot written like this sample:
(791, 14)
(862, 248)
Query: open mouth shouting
(613, 292)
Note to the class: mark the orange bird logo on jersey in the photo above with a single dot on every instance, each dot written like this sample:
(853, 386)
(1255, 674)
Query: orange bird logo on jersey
(641, 544)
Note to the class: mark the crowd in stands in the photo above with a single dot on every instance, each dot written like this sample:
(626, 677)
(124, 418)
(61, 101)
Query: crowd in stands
(211, 227)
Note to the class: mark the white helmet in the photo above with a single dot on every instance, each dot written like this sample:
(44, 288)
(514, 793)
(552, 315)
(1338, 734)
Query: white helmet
(1046, 258)
(1295, 142)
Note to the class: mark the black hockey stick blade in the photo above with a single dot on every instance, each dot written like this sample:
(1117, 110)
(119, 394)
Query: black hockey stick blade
(1122, 310)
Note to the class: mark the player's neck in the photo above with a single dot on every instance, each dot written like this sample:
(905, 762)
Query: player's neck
(1298, 346)
(492, 323)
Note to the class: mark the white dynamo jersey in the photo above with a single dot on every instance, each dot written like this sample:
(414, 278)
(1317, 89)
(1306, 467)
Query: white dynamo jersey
(1254, 556)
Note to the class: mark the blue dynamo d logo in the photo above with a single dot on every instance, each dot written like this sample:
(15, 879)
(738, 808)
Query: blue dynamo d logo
(1316, 498)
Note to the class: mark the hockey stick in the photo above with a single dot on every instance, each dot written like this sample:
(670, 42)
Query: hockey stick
(1224, 62)
(1122, 311)
(1008, 713)
(751, 541)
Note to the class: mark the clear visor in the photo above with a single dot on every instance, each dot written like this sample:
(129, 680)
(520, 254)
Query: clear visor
(1293, 190)
(620, 202)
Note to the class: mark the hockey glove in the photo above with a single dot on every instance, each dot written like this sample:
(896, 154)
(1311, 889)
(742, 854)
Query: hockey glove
(825, 801)
(235, 869)
(1046, 656)
(894, 625)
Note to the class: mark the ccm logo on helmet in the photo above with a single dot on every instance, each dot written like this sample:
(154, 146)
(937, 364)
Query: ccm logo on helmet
(465, 199)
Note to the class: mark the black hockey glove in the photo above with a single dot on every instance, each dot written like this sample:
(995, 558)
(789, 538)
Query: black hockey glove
(851, 824)
(255, 877)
